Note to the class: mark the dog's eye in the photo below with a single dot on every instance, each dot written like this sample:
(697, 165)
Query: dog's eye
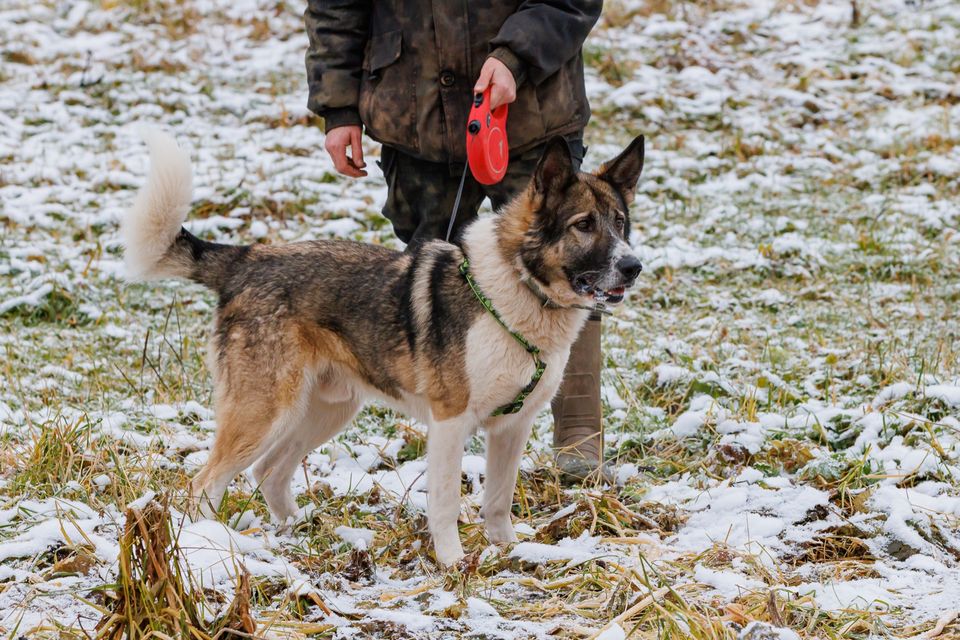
(620, 221)
(586, 224)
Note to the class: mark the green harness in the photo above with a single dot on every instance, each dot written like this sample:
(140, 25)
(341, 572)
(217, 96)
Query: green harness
(541, 366)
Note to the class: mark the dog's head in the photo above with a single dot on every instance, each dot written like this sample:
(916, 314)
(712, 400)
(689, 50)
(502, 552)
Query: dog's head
(577, 227)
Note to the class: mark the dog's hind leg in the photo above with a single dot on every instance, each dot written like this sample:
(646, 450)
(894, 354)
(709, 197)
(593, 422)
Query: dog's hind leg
(444, 459)
(505, 446)
(239, 442)
(274, 471)
(255, 406)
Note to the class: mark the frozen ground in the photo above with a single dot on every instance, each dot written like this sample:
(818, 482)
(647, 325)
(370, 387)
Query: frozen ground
(783, 389)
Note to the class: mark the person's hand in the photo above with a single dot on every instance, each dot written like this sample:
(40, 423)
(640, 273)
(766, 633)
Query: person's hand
(336, 145)
(503, 86)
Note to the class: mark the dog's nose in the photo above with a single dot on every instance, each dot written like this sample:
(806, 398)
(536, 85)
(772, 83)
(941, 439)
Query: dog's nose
(629, 267)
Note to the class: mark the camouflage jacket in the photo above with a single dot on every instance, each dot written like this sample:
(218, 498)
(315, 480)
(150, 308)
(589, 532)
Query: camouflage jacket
(405, 69)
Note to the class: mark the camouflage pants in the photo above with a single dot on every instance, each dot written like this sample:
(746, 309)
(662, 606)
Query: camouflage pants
(421, 194)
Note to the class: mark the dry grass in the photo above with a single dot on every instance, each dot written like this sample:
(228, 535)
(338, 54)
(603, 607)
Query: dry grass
(155, 598)
(856, 319)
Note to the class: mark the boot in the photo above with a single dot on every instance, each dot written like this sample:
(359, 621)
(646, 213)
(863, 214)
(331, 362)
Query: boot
(577, 412)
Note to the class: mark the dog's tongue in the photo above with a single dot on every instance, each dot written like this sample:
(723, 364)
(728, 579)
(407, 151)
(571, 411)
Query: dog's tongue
(617, 292)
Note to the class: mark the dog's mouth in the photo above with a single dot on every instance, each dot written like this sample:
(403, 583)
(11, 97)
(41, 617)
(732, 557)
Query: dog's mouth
(583, 286)
(609, 296)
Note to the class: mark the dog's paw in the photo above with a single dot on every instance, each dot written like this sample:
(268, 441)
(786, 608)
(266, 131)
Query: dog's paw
(285, 526)
(287, 523)
(501, 531)
(204, 510)
(448, 554)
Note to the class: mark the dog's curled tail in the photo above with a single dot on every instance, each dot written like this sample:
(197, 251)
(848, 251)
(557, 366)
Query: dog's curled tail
(155, 243)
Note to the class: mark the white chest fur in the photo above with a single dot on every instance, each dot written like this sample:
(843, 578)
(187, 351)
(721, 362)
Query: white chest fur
(498, 367)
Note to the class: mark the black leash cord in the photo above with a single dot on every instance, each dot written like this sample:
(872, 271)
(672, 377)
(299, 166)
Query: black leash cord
(456, 203)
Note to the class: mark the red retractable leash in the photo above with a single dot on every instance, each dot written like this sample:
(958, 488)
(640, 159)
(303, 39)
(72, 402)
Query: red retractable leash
(487, 148)
(488, 151)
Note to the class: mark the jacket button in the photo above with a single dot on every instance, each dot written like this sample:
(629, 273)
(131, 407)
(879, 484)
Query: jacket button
(447, 78)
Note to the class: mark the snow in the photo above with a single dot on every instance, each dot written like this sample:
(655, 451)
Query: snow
(688, 423)
(798, 219)
(729, 584)
(33, 299)
(356, 537)
(613, 632)
(572, 551)
(55, 522)
(748, 517)
(949, 394)
(477, 608)
(765, 631)
(214, 553)
(853, 594)
(668, 374)
(258, 229)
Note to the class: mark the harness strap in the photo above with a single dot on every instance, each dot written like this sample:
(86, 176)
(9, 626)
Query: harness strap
(540, 366)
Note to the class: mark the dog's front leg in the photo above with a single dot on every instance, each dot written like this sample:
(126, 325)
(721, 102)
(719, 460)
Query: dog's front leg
(444, 458)
(505, 445)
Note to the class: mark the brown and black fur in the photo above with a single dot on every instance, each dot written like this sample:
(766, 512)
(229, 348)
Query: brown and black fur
(305, 333)
(310, 290)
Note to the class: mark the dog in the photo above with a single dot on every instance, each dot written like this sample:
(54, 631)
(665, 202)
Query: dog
(306, 333)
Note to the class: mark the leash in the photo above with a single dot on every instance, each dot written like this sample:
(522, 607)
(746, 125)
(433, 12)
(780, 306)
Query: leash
(539, 365)
(456, 202)
(488, 151)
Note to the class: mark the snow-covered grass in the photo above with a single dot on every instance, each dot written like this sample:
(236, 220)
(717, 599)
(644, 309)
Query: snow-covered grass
(783, 391)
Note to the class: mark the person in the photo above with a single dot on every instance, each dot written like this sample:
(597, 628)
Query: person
(405, 72)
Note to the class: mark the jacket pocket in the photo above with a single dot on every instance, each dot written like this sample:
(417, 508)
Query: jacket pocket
(388, 103)
(382, 51)
(563, 100)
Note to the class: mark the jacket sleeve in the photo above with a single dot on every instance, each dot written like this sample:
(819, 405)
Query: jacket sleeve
(338, 31)
(542, 35)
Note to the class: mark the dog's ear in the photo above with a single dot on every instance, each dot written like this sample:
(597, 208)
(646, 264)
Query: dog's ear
(623, 172)
(554, 172)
